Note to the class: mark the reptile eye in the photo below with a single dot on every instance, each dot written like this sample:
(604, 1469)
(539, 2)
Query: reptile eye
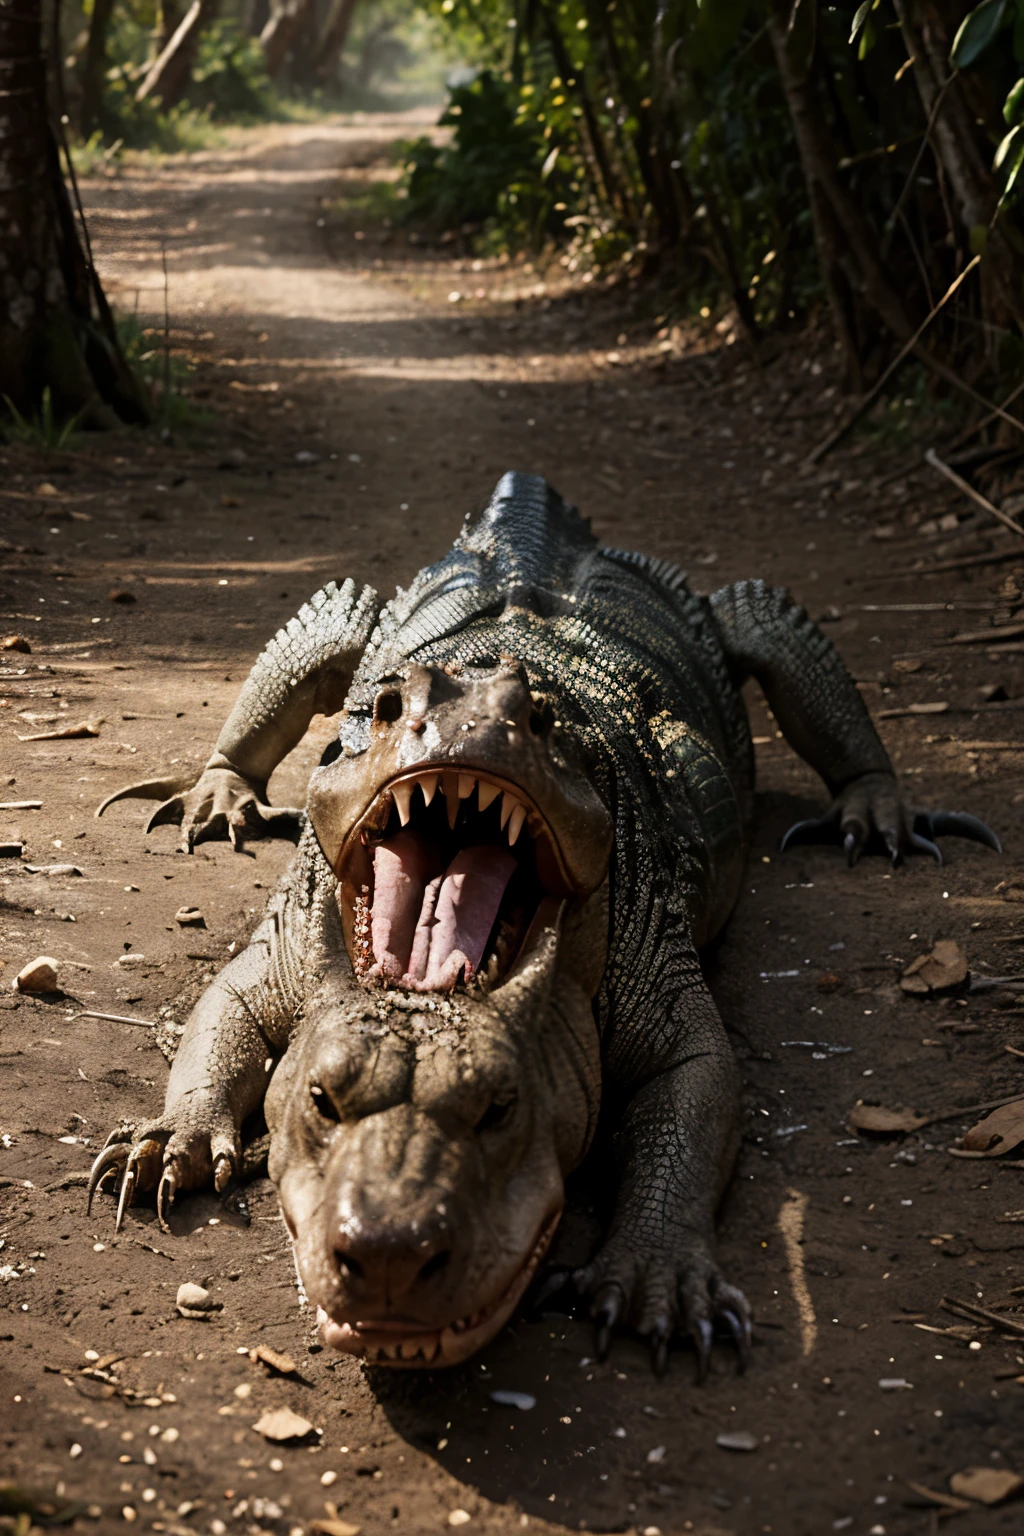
(387, 706)
(497, 1114)
(324, 1104)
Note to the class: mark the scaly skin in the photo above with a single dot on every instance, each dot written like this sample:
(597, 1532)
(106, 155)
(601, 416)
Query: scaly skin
(420, 1144)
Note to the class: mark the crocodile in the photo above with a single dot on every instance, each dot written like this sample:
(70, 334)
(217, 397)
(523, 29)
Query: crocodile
(487, 944)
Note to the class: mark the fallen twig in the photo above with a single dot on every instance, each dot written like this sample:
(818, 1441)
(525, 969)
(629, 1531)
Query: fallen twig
(980, 636)
(971, 1310)
(986, 421)
(868, 400)
(932, 458)
(116, 1018)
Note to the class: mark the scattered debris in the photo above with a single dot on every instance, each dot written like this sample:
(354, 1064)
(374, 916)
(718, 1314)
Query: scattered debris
(896, 1384)
(15, 643)
(39, 975)
(987, 1485)
(117, 1018)
(459, 1517)
(738, 1440)
(67, 732)
(53, 869)
(284, 1365)
(131, 958)
(945, 967)
(999, 1132)
(189, 917)
(121, 595)
(943, 1500)
(880, 1121)
(11, 850)
(829, 982)
(195, 1301)
(971, 1310)
(282, 1424)
(523, 1400)
(332, 1526)
(21, 805)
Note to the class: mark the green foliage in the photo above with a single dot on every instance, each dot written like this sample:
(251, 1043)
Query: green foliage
(44, 430)
(497, 173)
(229, 77)
(976, 33)
(974, 39)
(162, 372)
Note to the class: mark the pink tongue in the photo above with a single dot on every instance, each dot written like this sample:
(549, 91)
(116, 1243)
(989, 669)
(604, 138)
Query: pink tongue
(428, 929)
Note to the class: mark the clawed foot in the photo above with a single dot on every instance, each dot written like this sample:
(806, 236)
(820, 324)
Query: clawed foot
(167, 1158)
(869, 817)
(660, 1296)
(221, 803)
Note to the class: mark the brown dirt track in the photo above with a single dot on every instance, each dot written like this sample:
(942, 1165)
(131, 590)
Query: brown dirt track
(310, 340)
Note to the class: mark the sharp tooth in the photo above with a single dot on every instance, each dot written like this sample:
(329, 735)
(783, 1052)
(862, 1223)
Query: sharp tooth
(451, 794)
(403, 795)
(515, 825)
(508, 805)
(466, 784)
(428, 784)
(486, 794)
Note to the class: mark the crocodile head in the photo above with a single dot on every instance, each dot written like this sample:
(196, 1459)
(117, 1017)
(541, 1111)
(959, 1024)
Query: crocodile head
(441, 1088)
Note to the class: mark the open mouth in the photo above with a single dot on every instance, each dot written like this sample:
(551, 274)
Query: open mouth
(400, 1343)
(442, 878)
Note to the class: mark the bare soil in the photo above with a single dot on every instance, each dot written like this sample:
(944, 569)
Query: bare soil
(358, 411)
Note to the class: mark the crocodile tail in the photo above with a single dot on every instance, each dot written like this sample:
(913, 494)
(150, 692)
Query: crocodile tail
(529, 534)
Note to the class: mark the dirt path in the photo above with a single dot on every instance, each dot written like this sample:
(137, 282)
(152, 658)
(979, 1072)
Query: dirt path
(360, 411)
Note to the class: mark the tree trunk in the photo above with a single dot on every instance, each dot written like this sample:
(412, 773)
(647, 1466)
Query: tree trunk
(94, 68)
(166, 81)
(334, 37)
(847, 247)
(56, 331)
(964, 156)
(287, 19)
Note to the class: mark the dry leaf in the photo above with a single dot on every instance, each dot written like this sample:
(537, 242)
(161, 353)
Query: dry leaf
(944, 968)
(999, 1132)
(282, 1424)
(986, 1485)
(284, 1364)
(883, 1121)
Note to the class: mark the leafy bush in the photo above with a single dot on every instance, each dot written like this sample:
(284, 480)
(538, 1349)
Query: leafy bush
(229, 77)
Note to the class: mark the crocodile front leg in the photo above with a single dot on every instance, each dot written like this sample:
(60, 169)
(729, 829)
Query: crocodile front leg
(231, 1042)
(766, 635)
(305, 670)
(674, 1151)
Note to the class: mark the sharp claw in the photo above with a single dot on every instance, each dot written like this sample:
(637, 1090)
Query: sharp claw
(605, 1313)
(127, 1191)
(660, 1335)
(701, 1335)
(819, 829)
(851, 848)
(113, 1154)
(171, 811)
(165, 1190)
(149, 789)
(739, 1328)
(924, 845)
(892, 843)
(223, 1172)
(933, 824)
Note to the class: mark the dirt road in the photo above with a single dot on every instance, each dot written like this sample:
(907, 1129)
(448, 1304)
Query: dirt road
(365, 394)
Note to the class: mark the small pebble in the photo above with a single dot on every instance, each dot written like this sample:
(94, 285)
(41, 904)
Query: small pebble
(738, 1440)
(128, 1514)
(276, 1464)
(327, 1479)
(459, 1517)
(523, 1400)
(75, 1451)
(39, 975)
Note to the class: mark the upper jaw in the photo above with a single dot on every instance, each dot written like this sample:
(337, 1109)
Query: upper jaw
(404, 1345)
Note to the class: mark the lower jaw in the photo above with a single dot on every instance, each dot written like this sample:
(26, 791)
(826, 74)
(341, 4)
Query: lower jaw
(437, 1347)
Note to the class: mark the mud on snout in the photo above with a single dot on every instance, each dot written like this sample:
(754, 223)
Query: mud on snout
(419, 1162)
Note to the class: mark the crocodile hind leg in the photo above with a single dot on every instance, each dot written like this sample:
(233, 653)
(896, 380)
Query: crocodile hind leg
(768, 636)
(305, 670)
(674, 1150)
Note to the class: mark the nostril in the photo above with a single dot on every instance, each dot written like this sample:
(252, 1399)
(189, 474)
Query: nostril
(350, 1267)
(434, 1265)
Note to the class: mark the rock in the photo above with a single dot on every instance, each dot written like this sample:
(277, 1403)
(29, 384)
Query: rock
(521, 1400)
(189, 917)
(738, 1440)
(884, 1121)
(283, 1424)
(53, 869)
(459, 1517)
(195, 1301)
(127, 961)
(14, 643)
(40, 975)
